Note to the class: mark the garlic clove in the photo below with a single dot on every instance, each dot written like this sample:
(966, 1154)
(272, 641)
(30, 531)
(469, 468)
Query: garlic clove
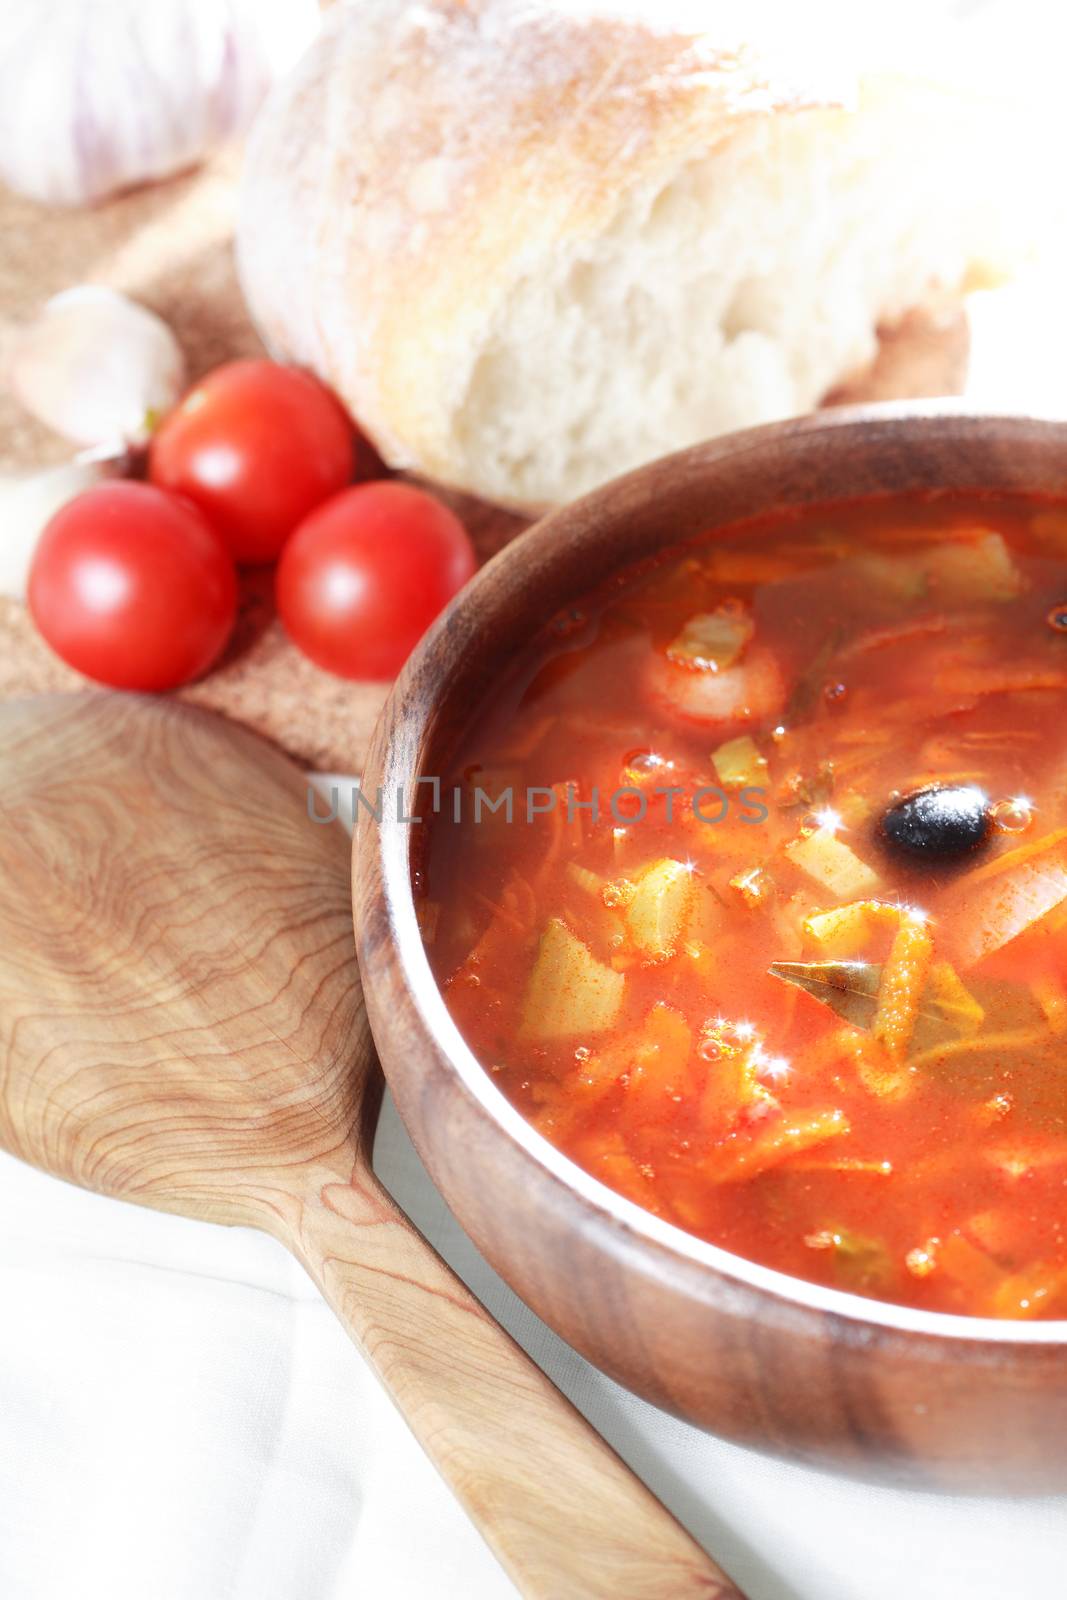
(96, 367)
(29, 501)
(97, 96)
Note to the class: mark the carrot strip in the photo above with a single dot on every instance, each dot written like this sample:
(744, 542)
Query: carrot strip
(1011, 859)
(879, 1074)
(899, 633)
(608, 1159)
(744, 1155)
(900, 990)
(1040, 1291)
(731, 1085)
(1001, 680)
(580, 1094)
(854, 1164)
(1011, 1040)
(553, 845)
(657, 1067)
(499, 911)
(969, 1268)
(1052, 998)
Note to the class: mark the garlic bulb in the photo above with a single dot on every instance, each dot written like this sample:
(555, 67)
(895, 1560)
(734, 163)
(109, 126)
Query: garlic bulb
(98, 95)
(96, 367)
(30, 500)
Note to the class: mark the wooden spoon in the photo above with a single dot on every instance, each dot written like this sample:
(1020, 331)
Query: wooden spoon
(181, 1024)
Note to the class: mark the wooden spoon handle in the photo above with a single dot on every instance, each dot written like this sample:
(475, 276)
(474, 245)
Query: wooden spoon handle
(563, 1513)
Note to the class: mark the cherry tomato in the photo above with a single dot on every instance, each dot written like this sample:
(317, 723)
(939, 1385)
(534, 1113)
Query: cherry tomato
(133, 587)
(256, 446)
(363, 577)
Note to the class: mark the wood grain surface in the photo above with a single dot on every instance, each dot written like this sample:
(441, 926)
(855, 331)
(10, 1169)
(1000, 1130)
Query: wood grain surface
(181, 1025)
(171, 247)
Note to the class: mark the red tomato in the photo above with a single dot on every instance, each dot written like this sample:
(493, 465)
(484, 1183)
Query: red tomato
(256, 446)
(133, 587)
(361, 580)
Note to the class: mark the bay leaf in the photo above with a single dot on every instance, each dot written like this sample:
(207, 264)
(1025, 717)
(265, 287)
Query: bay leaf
(850, 989)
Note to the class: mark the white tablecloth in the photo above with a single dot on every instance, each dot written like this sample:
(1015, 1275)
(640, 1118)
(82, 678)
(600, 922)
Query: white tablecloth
(181, 1418)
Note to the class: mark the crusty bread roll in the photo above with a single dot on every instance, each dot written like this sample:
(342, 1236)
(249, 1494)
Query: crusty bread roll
(535, 244)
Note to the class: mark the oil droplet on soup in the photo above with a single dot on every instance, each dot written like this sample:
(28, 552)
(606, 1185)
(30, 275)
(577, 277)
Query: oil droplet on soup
(780, 952)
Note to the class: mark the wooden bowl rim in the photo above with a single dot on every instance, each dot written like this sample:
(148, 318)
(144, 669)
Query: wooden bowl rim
(382, 865)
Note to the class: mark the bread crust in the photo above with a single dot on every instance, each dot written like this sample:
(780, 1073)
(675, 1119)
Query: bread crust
(423, 157)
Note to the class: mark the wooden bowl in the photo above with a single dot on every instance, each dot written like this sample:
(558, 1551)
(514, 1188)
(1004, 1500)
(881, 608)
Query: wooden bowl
(753, 1354)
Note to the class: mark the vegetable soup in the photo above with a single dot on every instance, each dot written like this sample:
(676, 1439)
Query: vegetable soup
(749, 887)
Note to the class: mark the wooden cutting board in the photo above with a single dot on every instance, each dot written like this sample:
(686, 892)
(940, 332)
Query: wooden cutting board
(171, 247)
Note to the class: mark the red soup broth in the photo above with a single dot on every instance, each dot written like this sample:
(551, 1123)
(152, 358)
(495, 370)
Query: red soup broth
(774, 941)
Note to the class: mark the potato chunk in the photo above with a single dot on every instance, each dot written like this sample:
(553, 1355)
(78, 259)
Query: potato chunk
(570, 991)
(657, 913)
(739, 762)
(834, 866)
(847, 931)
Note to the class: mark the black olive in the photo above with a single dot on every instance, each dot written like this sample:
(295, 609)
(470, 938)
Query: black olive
(939, 822)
